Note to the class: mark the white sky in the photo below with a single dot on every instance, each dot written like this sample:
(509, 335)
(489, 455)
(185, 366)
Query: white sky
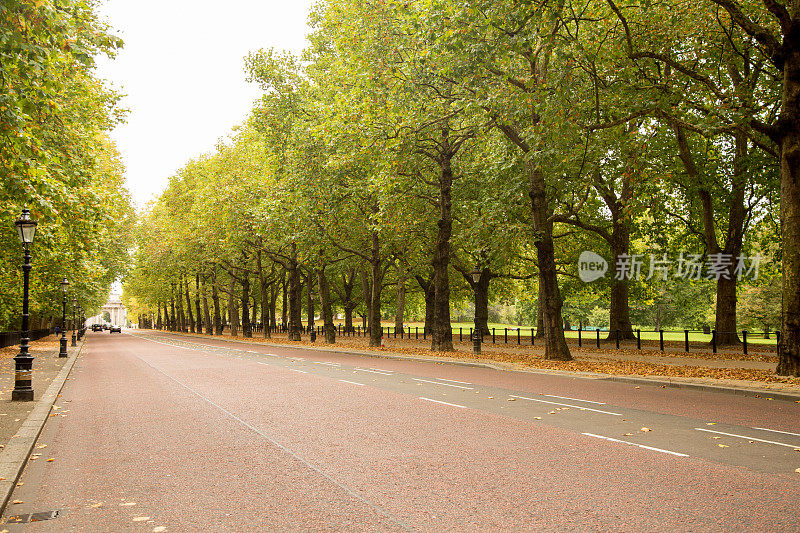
(182, 69)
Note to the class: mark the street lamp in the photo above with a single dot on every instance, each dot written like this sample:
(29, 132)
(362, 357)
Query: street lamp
(23, 362)
(476, 336)
(74, 324)
(63, 351)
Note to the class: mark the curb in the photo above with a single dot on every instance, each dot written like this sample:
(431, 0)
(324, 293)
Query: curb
(16, 453)
(739, 391)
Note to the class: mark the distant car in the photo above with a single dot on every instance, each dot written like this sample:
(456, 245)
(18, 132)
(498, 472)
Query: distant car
(97, 327)
(115, 329)
(105, 326)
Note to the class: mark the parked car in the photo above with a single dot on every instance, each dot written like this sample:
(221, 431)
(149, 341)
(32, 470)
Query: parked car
(97, 327)
(105, 326)
(115, 329)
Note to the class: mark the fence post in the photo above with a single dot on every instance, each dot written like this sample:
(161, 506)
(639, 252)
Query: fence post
(661, 338)
(617, 339)
(638, 339)
(686, 340)
(416, 332)
(424, 332)
(459, 334)
(532, 336)
(580, 340)
(744, 341)
(519, 341)
(505, 336)
(598, 337)
(714, 340)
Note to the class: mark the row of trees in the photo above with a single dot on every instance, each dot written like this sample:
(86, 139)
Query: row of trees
(416, 140)
(56, 158)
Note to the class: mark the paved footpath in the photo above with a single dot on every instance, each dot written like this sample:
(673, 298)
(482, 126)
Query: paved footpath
(156, 432)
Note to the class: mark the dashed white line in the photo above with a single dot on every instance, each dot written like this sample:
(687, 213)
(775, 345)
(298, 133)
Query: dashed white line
(271, 355)
(295, 370)
(778, 431)
(372, 371)
(580, 407)
(443, 403)
(573, 399)
(635, 444)
(381, 370)
(454, 381)
(748, 438)
(327, 363)
(351, 382)
(443, 384)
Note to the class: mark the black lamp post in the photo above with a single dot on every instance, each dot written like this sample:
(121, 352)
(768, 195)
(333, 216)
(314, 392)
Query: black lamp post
(74, 324)
(476, 334)
(64, 288)
(23, 362)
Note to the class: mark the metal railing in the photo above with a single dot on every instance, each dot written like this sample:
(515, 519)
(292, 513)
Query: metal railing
(11, 338)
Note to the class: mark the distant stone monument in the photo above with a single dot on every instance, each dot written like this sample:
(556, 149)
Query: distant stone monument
(115, 309)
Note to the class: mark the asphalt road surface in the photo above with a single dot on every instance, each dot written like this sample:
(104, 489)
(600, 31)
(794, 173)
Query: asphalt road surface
(159, 432)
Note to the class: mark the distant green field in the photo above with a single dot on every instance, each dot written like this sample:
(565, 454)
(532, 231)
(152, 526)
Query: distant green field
(647, 335)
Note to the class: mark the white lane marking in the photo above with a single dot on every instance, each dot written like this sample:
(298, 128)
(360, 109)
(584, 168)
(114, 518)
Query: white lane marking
(748, 438)
(166, 343)
(351, 382)
(635, 444)
(567, 405)
(271, 354)
(372, 371)
(778, 431)
(251, 351)
(574, 399)
(309, 464)
(443, 403)
(326, 363)
(443, 384)
(381, 370)
(298, 358)
(295, 370)
(454, 381)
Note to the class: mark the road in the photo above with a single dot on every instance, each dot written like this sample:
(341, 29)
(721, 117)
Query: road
(159, 432)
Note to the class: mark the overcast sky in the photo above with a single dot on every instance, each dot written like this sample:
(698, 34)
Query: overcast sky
(182, 71)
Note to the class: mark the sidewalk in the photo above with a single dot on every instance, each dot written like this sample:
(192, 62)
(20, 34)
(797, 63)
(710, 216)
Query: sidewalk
(753, 376)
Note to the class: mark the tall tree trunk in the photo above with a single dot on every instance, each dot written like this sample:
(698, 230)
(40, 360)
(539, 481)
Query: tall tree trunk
(233, 309)
(264, 293)
(197, 302)
(619, 312)
(325, 302)
(366, 288)
(480, 292)
(158, 319)
(310, 300)
(189, 313)
(218, 326)
(442, 334)
(295, 296)
(246, 329)
(375, 327)
(555, 345)
(206, 312)
(273, 303)
(430, 294)
(347, 299)
(399, 316)
(285, 306)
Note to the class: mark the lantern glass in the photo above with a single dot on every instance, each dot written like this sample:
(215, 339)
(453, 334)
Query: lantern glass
(65, 285)
(476, 275)
(26, 227)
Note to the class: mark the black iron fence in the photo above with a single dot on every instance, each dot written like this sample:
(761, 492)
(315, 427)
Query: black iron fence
(11, 338)
(678, 340)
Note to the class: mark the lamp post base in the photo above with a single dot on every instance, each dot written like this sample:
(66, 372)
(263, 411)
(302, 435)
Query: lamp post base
(63, 351)
(22, 395)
